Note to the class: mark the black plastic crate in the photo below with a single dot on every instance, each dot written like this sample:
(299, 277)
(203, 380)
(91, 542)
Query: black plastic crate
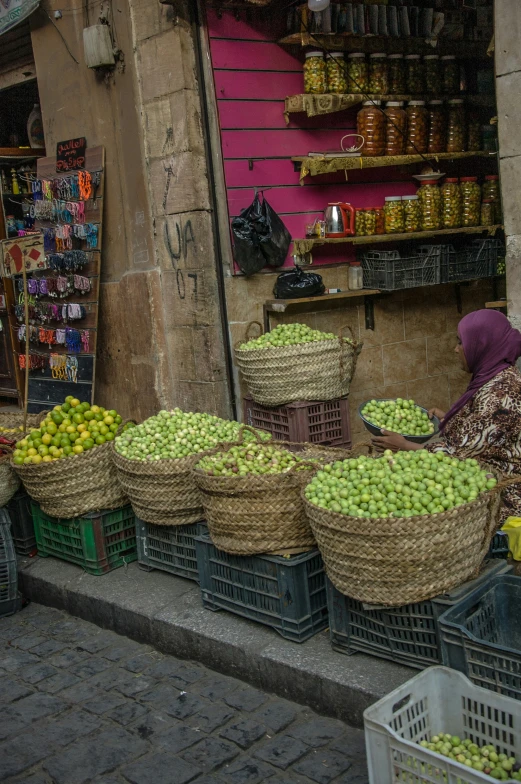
(317, 422)
(407, 634)
(288, 594)
(22, 526)
(9, 599)
(499, 546)
(481, 635)
(169, 547)
(388, 271)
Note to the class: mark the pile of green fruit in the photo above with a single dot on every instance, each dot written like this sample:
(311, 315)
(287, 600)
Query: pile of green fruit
(289, 335)
(398, 416)
(257, 459)
(67, 430)
(398, 485)
(486, 759)
(171, 435)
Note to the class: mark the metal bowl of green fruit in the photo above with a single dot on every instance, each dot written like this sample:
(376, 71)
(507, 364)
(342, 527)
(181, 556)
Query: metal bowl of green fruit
(399, 415)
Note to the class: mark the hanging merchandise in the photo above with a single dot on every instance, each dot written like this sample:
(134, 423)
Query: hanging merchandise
(260, 238)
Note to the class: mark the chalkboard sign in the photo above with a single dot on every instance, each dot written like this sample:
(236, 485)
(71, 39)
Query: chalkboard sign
(70, 155)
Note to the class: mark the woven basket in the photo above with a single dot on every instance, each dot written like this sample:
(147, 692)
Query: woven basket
(15, 419)
(308, 371)
(393, 561)
(9, 481)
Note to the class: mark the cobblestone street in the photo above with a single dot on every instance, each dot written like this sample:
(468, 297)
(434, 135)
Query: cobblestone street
(81, 704)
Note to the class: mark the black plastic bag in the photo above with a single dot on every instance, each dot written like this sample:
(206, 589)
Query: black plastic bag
(260, 238)
(295, 284)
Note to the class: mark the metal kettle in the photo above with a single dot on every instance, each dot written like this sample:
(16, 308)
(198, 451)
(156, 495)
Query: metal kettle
(340, 220)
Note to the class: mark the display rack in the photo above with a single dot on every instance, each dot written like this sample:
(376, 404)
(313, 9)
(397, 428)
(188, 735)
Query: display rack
(347, 42)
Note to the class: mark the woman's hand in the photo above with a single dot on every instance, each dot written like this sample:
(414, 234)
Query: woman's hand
(437, 412)
(393, 441)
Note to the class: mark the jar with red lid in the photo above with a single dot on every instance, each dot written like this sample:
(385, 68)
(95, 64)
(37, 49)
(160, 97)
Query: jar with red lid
(378, 74)
(394, 215)
(396, 128)
(412, 213)
(437, 127)
(451, 203)
(456, 126)
(470, 201)
(491, 191)
(371, 123)
(430, 200)
(414, 74)
(450, 76)
(431, 72)
(397, 80)
(417, 128)
(357, 73)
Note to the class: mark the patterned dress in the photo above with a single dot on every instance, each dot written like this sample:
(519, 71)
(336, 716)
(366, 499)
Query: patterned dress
(488, 428)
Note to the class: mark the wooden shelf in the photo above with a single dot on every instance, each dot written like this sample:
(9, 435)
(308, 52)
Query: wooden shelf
(379, 43)
(374, 239)
(21, 152)
(282, 305)
(500, 303)
(318, 103)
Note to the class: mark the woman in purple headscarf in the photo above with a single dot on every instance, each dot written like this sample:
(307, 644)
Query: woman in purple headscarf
(485, 423)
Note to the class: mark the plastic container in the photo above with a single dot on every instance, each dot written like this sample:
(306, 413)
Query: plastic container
(430, 200)
(409, 634)
(490, 190)
(170, 548)
(336, 73)
(357, 73)
(487, 212)
(435, 699)
(414, 74)
(378, 74)
(365, 222)
(379, 217)
(22, 526)
(326, 423)
(451, 203)
(450, 76)
(387, 271)
(432, 72)
(9, 598)
(396, 128)
(371, 123)
(287, 594)
(99, 541)
(481, 636)
(394, 217)
(437, 127)
(412, 213)
(355, 278)
(456, 126)
(417, 128)
(314, 73)
(470, 201)
(397, 77)
(477, 260)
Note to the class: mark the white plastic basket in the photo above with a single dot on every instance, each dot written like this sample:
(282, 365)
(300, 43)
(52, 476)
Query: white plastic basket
(437, 700)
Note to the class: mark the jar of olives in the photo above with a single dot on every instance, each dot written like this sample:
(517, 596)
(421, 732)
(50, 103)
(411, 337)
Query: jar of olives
(470, 201)
(437, 127)
(417, 128)
(487, 212)
(336, 73)
(431, 69)
(396, 128)
(491, 191)
(430, 200)
(378, 74)
(474, 134)
(397, 80)
(359, 222)
(394, 217)
(365, 223)
(414, 73)
(412, 213)
(314, 73)
(450, 79)
(379, 217)
(451, 203)
(456, 126)
(371, 122)
(357, 73)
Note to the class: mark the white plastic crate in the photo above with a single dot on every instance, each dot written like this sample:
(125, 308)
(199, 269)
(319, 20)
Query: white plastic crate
(437, 700)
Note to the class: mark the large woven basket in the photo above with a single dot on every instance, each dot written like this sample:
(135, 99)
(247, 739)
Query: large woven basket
(393, 561)
(9, 481)
(308, 371)
(15, 419)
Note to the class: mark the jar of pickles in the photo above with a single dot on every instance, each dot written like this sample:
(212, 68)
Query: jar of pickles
(357, 73)
(417, 128)
(336, 73)
(451, 203)
(371, 122)
(470, 201)
(379, 217)
(474, 134)
(394, 217)
(431, 70)
(487, 212)
(396, 128)
(414, 73)
(437, 127)
(378, 74)
(314, 73)
(450, 79)
(412, 213)
(491, 191)
(397, 80)
(456, 126)
(430, 200)
(365, 222)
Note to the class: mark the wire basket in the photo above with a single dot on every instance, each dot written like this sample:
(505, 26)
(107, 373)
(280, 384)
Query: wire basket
(387, 271)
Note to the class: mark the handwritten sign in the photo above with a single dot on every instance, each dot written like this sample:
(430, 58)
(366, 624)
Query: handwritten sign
(22, 250)
(70, 155)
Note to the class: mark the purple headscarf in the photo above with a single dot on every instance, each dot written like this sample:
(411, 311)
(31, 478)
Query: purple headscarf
(490, 345)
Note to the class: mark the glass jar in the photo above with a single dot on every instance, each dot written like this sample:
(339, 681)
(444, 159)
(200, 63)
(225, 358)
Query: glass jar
(378, 74)
(470, 201)
(365, 222)
(355, 276)
(396, 128)
(474, 134)
(456, 130)
(357, 73)
(414, 74)
(397, 80)
(487, 212)
(430, 200)
(412, 213)
(314, 73)
(437, 127)
(451, 203)
(491, 191)
(417, 128)
(449, 75)
(394, 217)
(360, 222)
(379, 217)
(371, 122)
(431, 72)
(336, 73)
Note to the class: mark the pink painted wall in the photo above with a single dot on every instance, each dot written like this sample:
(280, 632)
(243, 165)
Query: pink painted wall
(253, 75)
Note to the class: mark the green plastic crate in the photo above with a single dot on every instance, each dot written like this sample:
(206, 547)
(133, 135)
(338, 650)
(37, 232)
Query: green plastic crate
(98, 541)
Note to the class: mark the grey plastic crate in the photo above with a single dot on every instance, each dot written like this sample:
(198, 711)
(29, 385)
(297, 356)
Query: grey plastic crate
(478, 259)
(409, 634)
(9, 599)
(170, 548)
(387, 271)
(288, 594)
(22, 526)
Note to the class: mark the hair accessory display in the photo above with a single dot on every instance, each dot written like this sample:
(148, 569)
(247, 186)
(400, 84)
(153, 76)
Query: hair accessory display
(71, 367)
(57, 363)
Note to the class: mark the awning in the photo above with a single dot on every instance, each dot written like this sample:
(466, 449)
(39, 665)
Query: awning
(12, 12)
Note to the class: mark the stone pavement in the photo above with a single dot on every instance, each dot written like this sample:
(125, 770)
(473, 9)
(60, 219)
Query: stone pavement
(82, 704)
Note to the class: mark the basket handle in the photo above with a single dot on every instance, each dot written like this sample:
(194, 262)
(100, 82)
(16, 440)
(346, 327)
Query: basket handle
(249, 325)
(343, 329)
(247, 428)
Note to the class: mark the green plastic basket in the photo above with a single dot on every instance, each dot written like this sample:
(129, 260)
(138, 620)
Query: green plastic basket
(98, 541)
